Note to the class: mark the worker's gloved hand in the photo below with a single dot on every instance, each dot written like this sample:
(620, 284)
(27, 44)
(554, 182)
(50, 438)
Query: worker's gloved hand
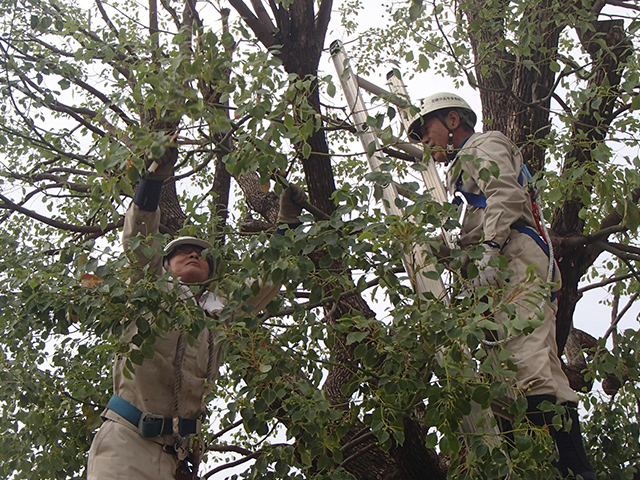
(487, 274)
(162, 168)
(290, 204)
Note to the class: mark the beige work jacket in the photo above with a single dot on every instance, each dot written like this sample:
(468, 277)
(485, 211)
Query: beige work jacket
(508, 202)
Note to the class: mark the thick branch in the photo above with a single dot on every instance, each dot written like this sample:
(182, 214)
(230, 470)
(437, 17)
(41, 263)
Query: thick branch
(262, 14)
(172, 12)
(323, 17)
(494, 65)
(59, 181)
(106, 18)
(264, 32)
(618, 3)
(153, 20)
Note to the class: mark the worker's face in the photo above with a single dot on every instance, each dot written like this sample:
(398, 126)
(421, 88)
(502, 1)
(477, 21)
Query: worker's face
(188, 264)
(436, 136)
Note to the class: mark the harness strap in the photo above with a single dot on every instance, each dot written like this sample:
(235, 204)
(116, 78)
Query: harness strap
(149, 424)
(542, 244)
(479, 200)
(473, 199)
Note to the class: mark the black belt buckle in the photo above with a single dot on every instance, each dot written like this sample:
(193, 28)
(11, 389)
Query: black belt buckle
(151, 425)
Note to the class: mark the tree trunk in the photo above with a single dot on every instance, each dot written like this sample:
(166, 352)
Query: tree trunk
(301, 36)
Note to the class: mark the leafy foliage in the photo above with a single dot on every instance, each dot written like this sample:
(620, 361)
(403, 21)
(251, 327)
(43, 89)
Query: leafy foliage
(92, 94)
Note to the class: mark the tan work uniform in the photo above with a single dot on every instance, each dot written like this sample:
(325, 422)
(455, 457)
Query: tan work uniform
(118, 450)
(507, 206)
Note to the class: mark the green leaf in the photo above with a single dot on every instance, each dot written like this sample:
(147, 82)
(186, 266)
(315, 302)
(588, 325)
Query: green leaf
(331, 89)
(356, 337)
(423, 62)
(372, 147)
(631, 216)
(306, 150)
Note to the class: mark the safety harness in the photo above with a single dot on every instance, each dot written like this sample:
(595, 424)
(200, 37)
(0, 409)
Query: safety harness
(186, 445)
(539, 234)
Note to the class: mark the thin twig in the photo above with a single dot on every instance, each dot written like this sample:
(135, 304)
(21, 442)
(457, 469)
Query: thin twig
(361, 437)
(231, 464)
(358, 454)
(604, 283)
(235, 424)
(616, 320)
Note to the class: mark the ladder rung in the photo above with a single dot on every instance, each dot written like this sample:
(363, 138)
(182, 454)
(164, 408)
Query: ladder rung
(382, 93)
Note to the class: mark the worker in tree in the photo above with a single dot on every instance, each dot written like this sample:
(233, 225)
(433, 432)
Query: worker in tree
(152, 422)
(484, 175)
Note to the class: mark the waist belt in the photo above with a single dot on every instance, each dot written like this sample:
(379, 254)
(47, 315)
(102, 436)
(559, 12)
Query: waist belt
(149, 424)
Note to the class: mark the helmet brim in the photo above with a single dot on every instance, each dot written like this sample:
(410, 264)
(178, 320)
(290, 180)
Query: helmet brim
(173, 244)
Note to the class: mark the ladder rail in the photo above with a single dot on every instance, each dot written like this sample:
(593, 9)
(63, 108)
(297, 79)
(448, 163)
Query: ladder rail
(414, 262)
(430, 175)
(398, 96)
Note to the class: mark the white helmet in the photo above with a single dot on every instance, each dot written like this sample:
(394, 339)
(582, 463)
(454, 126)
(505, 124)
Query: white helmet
(175, 243)
(434, 103)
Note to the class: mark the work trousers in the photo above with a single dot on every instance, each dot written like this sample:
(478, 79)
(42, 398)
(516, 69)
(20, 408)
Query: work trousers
(535, 354)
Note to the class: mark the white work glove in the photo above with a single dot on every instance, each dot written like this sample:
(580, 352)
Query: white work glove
(291, 199)
(487, 274)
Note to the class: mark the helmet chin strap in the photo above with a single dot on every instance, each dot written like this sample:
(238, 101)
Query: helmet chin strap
(451, 153)
(450, 147)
